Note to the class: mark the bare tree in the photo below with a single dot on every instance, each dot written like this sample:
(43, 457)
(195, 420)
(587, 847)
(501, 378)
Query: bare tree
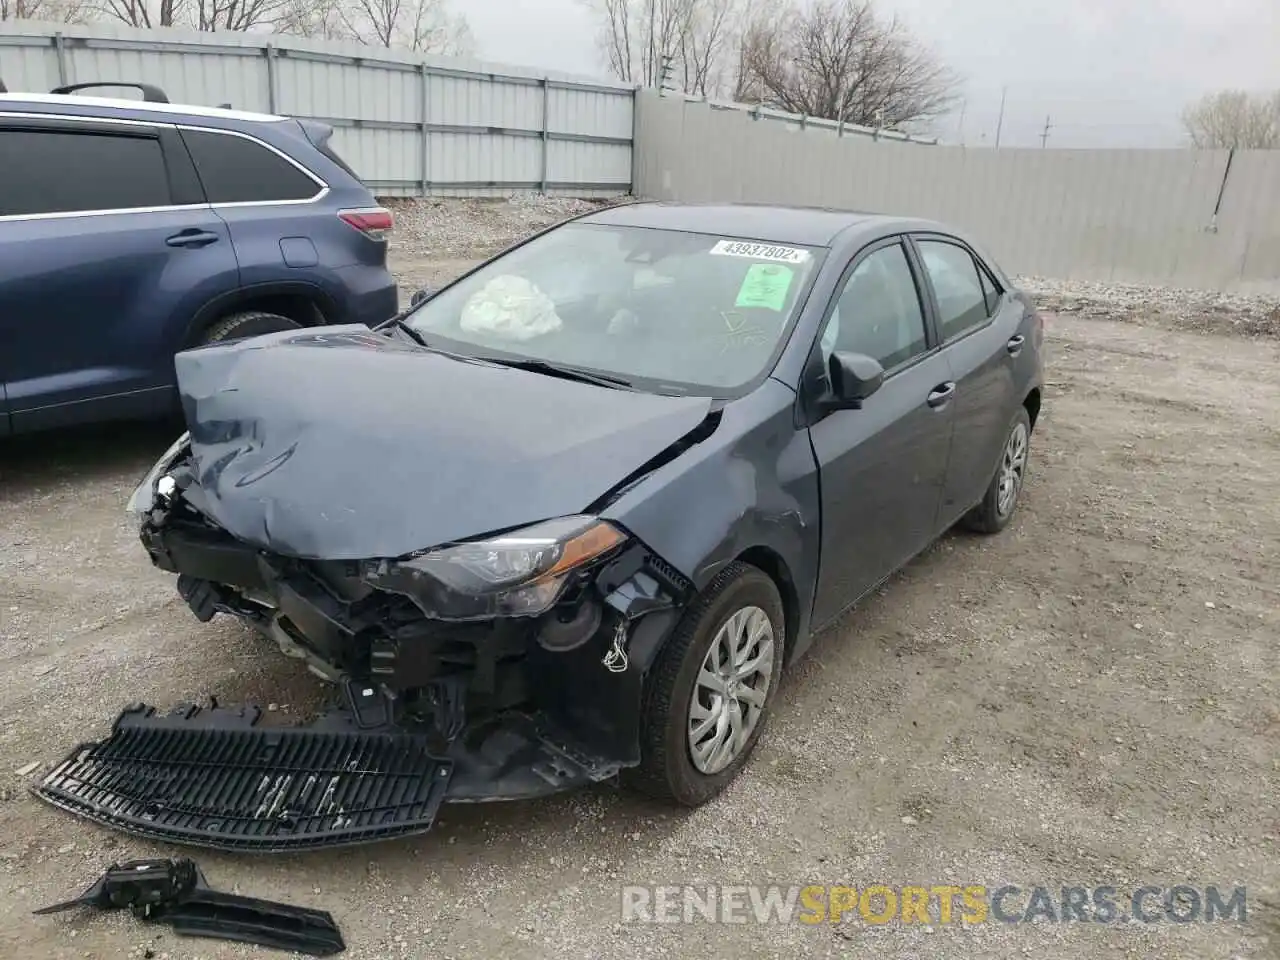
(50, 11)
(426, 26)
(144, 13)
(694, 36)
(706, 39)
(838, 60)
(1234, 118)
(316, 19)
(236, 15)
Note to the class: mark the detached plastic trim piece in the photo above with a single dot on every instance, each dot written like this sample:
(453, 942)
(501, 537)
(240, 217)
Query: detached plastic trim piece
(175, 892)
(213, 778)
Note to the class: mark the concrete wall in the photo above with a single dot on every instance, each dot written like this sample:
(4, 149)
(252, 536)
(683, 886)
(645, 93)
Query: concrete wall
(407, 124)
(1143, 216)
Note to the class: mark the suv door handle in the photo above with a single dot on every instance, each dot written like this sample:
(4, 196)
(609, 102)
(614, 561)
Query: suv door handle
(941, 394)
(1014, 346)
(192, 238)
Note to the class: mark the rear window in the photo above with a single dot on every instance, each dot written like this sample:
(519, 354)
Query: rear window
(319, 134)
(237, 170)
(47, 171)
(332, 155)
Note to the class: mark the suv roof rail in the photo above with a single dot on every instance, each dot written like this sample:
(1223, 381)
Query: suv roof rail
(150, 93)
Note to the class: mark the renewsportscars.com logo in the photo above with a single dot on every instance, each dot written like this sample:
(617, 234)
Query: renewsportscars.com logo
(935, 904)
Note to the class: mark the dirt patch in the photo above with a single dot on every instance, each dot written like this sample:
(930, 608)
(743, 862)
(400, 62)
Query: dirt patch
(1089, 698)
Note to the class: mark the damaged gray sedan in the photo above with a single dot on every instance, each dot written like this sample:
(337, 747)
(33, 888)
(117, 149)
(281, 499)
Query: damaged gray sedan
(571, 516)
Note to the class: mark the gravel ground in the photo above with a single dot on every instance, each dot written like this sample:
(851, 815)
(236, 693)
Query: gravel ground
(445, 228)
(1089, 698)
(1196, 311)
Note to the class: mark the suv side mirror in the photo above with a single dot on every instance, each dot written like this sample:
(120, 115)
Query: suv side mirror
(419, 296)
(854, 377)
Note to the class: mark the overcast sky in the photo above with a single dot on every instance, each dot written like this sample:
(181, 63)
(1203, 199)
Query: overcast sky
(1106, 72)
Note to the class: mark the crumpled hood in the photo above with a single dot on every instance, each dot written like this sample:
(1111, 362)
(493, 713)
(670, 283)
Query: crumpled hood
(343, 444)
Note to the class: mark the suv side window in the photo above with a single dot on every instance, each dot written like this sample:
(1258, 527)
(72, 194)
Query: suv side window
(52, 171)
(878, 312)
(236, 170)
(962, 302)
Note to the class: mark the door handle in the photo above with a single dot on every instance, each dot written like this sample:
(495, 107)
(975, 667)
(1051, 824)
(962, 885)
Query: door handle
(941, 394)
(1014, 346)
(192, 238)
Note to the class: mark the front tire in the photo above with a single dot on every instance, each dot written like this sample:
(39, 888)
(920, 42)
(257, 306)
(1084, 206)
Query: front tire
(996, 509)
(708, 695)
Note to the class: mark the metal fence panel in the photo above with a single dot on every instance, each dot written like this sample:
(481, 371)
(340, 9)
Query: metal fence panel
(413, 125)
(407, 124)
(1143, 216)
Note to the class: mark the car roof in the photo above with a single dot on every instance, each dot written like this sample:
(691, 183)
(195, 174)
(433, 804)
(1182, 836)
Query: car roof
(808, 226)
(77, 104)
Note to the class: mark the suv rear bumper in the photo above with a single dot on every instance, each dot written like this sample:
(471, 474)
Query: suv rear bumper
(373, 297)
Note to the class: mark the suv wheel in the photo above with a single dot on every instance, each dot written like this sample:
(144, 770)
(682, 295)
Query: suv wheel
(252, 323)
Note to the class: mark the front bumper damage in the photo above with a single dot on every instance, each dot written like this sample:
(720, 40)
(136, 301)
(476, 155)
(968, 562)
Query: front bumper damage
(429, 711)
(215, 777)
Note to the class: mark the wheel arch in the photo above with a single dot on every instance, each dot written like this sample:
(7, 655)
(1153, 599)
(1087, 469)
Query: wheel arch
(770, 562)
(304, 303)
(1031, 403)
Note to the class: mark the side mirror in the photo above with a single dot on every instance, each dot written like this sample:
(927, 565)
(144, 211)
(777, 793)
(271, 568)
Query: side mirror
(854, 377)
(419, 296)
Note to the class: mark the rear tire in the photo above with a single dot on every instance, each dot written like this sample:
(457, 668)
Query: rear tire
(252, 323)
(741, 602)
(1001, 499)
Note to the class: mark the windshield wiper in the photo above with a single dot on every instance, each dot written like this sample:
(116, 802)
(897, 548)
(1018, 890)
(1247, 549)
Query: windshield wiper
(399, 323)
(567, 373)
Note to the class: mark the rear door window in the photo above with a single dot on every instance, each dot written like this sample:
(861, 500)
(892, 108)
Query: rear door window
(234, 169)
(962, 302)
(54, 171)
(989, 291)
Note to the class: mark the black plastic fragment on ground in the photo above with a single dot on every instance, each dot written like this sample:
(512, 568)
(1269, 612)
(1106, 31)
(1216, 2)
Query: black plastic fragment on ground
(175, 892)
(214, 778)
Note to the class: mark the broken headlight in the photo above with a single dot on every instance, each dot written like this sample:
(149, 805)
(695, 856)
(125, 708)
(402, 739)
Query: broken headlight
(517, 574)
(144, 496)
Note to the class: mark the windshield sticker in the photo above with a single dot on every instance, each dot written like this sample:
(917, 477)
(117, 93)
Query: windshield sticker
(766, 286)
(760, 251)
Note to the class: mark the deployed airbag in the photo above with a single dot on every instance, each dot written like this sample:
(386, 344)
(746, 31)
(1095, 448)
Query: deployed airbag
(510, 308)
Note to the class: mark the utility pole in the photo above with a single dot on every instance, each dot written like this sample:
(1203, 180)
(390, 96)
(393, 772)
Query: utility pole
(1000, 120)
(960, 126)
(1044, 137)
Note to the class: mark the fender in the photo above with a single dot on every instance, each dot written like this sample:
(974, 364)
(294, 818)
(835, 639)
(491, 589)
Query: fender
(323, 301)
(756, 481)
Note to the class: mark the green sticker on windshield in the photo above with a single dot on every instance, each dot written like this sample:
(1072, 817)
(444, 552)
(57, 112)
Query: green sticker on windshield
(765, 286)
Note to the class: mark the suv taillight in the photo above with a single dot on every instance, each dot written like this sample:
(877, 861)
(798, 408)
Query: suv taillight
(374, 222)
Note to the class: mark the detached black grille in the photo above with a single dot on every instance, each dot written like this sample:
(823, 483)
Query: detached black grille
(213, 778)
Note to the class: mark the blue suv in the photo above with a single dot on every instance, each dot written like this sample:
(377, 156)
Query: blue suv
(133, 229)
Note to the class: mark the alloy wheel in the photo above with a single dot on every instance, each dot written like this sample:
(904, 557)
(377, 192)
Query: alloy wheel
(1013, 466)
(730, 690)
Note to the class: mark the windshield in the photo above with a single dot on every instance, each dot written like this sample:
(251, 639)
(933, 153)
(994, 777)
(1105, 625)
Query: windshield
(662, 309)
